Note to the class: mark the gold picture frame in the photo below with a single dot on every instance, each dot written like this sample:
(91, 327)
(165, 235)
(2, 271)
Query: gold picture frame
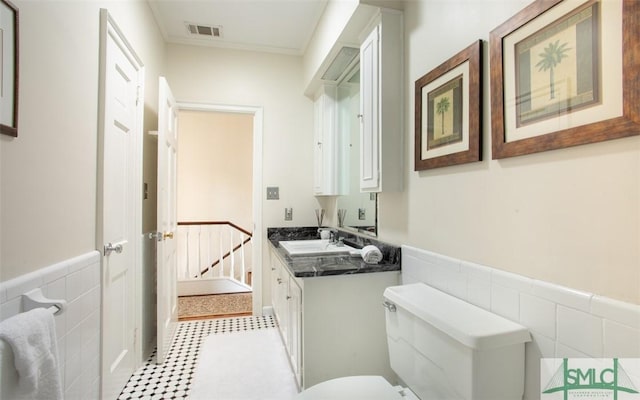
(8, 69)
(560, 79)
(448, 109)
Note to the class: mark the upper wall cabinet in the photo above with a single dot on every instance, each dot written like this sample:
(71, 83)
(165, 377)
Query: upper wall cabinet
(326, 156)
(381, 104)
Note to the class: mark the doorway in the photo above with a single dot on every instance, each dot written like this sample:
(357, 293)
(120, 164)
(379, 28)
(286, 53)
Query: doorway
(219, 181)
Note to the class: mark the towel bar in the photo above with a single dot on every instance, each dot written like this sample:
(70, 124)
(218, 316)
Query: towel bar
(54, 309)
(35, 299)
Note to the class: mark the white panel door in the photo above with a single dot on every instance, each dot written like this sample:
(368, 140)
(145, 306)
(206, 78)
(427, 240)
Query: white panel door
(166, 223)
(119, 203)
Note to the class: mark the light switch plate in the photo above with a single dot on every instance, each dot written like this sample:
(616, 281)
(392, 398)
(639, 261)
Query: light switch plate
(273, 193)
(288, 214)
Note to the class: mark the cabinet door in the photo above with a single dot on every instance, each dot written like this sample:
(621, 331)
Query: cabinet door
(318, 153)
(369, 102)
(325, 144)
(274, 285)
(295, 328)
(281, 298)
(279, 281)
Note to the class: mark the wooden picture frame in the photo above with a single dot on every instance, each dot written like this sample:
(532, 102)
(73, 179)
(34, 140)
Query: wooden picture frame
(450, 94)
(8, 69)
(564, 74)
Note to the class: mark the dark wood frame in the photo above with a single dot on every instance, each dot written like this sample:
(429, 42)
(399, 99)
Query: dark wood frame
(472, 54)
(626, 125)
(12, 130)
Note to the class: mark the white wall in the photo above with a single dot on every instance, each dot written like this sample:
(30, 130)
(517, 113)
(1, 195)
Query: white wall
(569, 216)
(273, 82)
(215, 161)
(48, 174)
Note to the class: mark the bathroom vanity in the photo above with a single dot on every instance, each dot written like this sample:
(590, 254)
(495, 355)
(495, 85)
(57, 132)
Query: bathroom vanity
(329, 309)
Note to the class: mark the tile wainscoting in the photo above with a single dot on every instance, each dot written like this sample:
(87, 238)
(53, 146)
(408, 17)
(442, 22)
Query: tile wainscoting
(76, 280)
(564, 322)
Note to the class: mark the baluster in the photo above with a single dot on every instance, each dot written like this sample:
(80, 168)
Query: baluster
(221, 263)
(209, 260)
(203, 240)
(242, 276)
(232, 274)
(185, 269)
(194, 256)
(190, 250)
(250, 264)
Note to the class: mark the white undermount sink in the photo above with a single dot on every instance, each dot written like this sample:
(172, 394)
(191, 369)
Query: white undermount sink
(320, 247)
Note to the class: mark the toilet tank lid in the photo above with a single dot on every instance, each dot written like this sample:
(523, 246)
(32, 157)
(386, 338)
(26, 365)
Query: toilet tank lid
(471, 325)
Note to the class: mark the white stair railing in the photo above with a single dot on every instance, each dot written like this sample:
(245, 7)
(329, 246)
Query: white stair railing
(213, 250)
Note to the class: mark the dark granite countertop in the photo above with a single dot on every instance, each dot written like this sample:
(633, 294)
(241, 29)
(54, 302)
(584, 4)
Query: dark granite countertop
(306, 267)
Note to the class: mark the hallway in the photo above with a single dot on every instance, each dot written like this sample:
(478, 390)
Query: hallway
(174, 379)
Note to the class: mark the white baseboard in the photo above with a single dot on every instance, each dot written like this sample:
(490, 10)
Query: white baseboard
(267, 310)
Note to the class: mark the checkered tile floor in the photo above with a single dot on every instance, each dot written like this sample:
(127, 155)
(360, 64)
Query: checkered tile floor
(172, 380)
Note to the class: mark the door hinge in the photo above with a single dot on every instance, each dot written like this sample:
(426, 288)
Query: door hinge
(137, 95)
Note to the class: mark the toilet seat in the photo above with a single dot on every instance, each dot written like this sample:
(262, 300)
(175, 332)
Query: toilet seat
(352, 388)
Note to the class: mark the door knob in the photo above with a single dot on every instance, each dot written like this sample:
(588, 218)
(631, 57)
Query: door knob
(110, 247)
(155, 235)
(168, 235)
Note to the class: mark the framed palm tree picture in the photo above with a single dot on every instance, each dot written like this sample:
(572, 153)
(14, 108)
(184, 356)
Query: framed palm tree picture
(447, 114)
(563, 73)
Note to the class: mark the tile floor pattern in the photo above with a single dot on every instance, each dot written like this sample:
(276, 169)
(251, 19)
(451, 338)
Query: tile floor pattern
(172, 380)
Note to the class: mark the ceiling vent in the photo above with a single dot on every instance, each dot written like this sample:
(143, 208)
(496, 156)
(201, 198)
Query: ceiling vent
(340, 65)
(212, 31)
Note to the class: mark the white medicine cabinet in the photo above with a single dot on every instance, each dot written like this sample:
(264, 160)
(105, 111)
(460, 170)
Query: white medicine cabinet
(380, 164)
(381, 102)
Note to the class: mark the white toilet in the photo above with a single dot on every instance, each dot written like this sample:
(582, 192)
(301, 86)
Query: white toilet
(441, 348)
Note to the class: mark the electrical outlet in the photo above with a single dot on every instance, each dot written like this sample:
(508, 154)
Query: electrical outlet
(361, 213)
(288, 214)
(273, 193)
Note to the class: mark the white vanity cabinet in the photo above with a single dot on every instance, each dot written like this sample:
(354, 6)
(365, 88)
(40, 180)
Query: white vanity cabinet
(286, 298)
(326, 142)
(332, 326)
(381, 103)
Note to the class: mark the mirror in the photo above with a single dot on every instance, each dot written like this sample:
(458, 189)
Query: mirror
(361, 208)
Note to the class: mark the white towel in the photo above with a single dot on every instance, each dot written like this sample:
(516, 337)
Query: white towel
(371, 254)
(32, 337)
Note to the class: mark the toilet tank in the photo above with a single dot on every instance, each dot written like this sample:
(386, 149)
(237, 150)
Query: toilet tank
(442, 347)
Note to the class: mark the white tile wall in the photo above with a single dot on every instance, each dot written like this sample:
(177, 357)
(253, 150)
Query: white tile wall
(77, 281)
(538, 314)
(564, 322)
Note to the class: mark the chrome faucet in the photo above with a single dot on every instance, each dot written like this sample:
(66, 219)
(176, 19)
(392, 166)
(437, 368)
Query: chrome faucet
(334, 239)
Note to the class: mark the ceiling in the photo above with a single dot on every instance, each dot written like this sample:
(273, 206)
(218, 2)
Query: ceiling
(276, 26)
